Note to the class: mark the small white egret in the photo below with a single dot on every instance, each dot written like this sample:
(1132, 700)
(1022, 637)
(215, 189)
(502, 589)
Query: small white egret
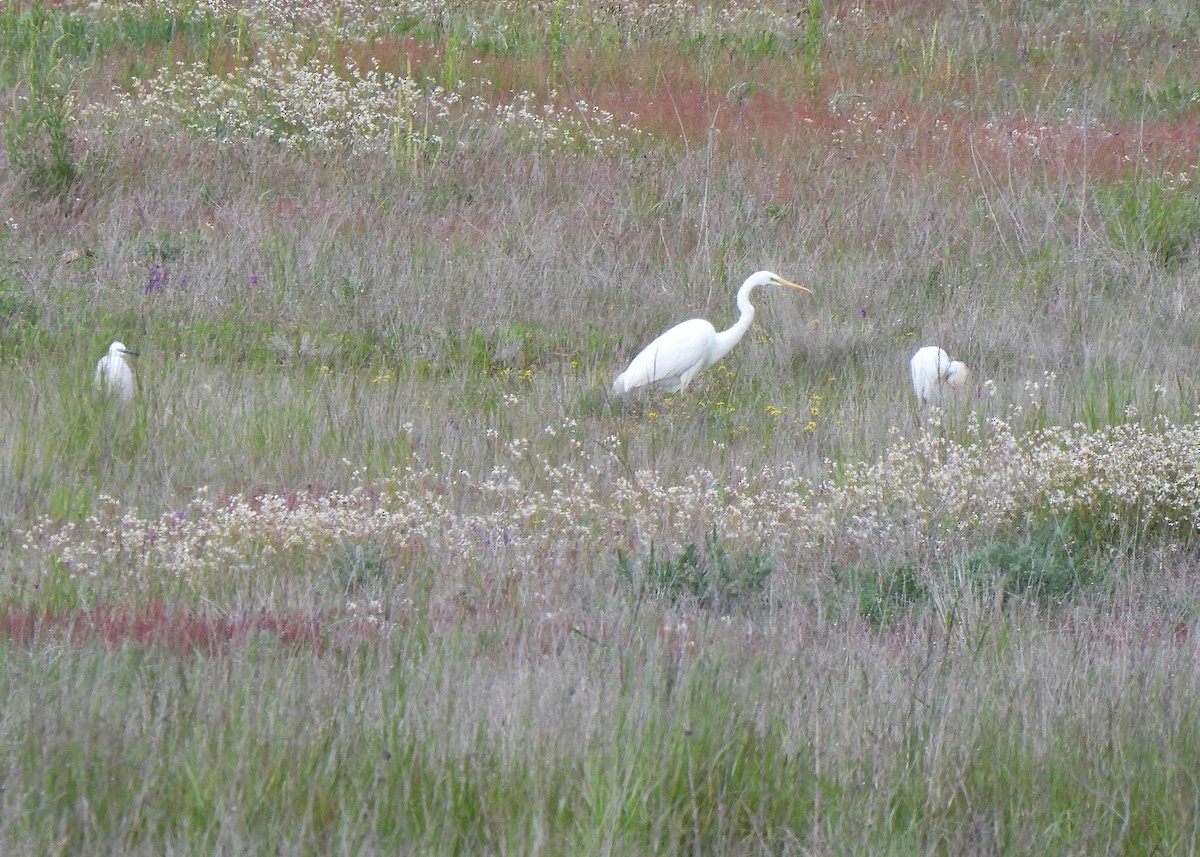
(113, 375)
(676, 357)
(932, 372)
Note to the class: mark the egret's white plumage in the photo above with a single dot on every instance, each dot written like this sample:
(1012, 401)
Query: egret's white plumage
(676, 357)
(932, 372)
(113, 375)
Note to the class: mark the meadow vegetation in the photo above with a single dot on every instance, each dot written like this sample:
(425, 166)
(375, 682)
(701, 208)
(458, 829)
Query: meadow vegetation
(375, 563)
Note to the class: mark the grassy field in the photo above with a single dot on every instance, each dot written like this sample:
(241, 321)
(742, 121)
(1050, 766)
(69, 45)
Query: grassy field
(376, 563)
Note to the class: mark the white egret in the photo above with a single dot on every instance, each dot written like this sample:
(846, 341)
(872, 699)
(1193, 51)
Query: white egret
(676, 357)
(932, 372)
(113, 375)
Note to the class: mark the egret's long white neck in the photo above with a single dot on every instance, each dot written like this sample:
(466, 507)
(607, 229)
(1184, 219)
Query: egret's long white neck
(730, 337)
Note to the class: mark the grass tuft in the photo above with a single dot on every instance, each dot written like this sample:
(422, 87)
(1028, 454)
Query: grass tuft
(1149, 216)
(712, 575)
(1052, 564)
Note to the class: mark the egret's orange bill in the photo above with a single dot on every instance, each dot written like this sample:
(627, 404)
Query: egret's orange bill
(792, 285)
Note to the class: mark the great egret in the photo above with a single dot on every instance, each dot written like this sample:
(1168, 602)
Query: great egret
(676, 357)
(932, 372)
(113, 375)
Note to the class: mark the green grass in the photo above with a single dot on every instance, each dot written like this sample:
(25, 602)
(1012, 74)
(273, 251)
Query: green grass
(265, 749)
(1145, 217)
(711, 575)
(1051, 564)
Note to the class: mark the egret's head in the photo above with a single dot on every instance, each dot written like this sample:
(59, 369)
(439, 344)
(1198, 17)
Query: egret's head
(118, 348)
(957, 374)
(767, 278)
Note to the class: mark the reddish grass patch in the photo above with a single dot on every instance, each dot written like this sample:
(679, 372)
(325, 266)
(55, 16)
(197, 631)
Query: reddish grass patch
(184, 631)
(402, 57)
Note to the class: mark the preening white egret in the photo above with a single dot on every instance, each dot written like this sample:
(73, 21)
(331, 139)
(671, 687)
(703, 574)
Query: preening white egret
(676, 357)
(932, 372)
(113, 375)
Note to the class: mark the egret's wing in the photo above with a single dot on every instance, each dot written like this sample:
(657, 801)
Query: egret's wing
(926, 366)
(671, 355)
(114, 377)
(124, 381)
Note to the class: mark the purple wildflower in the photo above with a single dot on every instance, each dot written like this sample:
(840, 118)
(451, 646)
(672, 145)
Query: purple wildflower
(158, 280)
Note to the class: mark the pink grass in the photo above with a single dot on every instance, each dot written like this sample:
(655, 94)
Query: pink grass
(156, 625)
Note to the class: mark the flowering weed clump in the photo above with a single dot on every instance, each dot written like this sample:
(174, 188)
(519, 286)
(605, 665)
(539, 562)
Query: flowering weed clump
(290, 97)
(930, 499)
(933, 494)
(284, 97)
